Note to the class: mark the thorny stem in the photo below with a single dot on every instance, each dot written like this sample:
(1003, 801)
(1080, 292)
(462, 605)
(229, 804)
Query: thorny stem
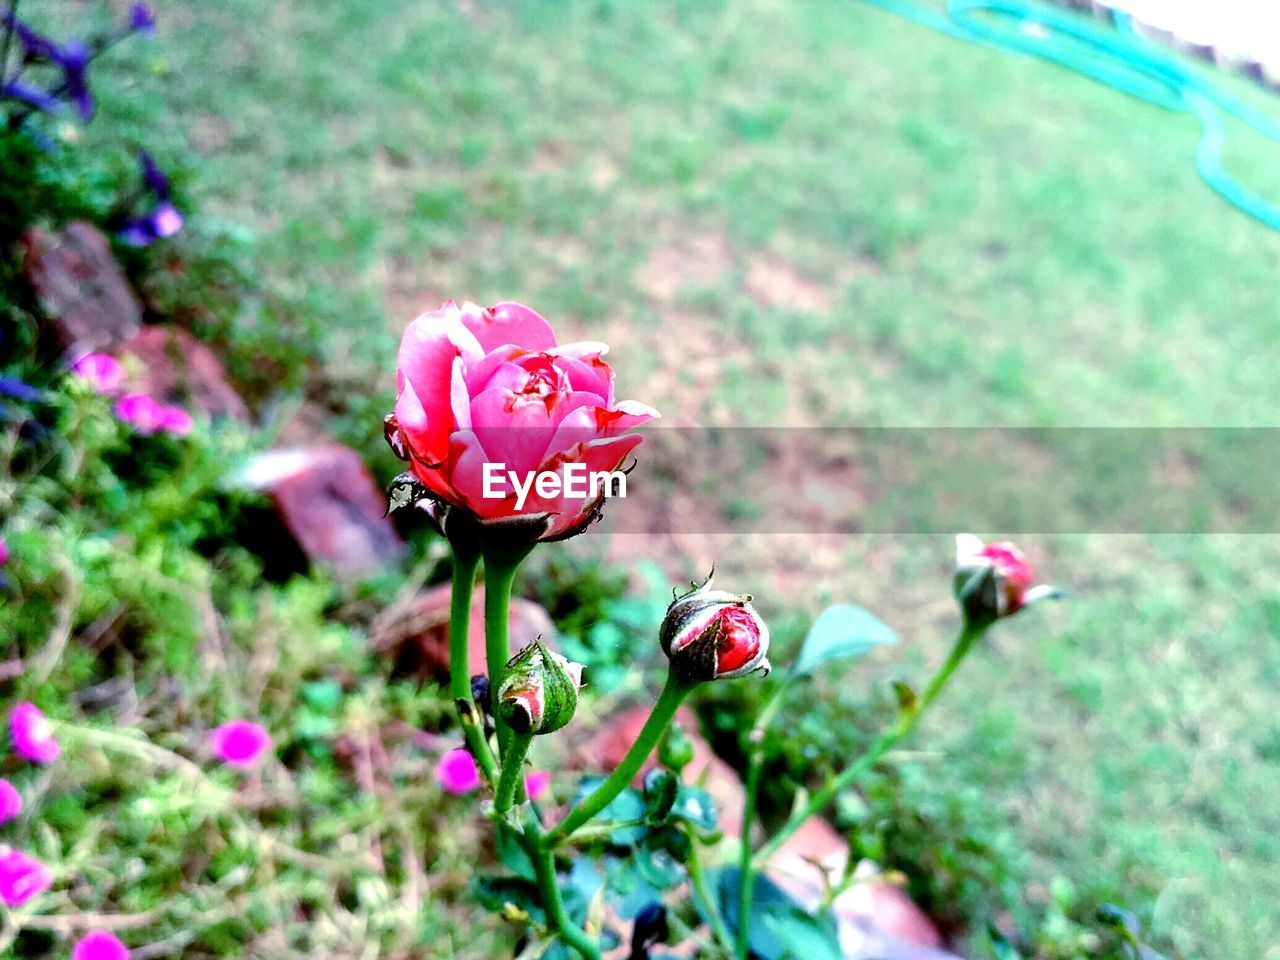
(464, 578)
(544, 867)
(886, 741)
(673, 692)
(512, 768)
(500, 565)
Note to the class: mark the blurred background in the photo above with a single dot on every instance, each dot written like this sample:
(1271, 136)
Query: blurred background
(777, 214)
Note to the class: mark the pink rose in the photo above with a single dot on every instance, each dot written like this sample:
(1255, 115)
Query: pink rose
(710, 634)
(240, 743)
(31, 734)
(101, 371)
(21, 877)
(99, 945)
(477, 387)
(994, 579)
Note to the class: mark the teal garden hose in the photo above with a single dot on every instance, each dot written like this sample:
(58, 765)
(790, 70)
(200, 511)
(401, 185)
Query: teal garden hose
(1118, 58)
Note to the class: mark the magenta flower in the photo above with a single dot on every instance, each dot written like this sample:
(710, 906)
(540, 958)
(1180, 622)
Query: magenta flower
(457, 772)
(32, 735)
(10, 801)
(536, 783)
(99, 945)
(240, 743)
(4, 552)
(102, 371)
(21, 877)
(147, 416)
(175, 421)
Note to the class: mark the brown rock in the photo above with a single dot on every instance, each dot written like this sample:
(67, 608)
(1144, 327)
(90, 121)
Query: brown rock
(331, 506)
(416, 631)
(81, 287)
(175, 367)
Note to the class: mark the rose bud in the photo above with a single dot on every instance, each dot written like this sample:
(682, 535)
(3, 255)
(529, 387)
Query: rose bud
(713, 635)
(501, 425)
(994, 580)
(540, 692)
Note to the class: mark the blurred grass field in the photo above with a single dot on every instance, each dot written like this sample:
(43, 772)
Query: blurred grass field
(812, 213)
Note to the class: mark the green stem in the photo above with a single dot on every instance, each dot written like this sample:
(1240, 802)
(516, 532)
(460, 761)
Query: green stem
(882, 745)
(512, 768)
(755, 764)
(464, 578)
(698, 880)
(544, 867)
(673, 692)
(500, 565)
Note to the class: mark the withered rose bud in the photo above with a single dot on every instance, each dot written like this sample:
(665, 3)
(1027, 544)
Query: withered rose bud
(713, 635)
(994, 580)
(540, 692)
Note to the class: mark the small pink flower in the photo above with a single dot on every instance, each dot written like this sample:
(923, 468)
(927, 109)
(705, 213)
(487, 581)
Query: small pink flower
(21, 877)
(174, 421)
(10, 801)
(32, 735)
(102, 372)
(536, 783)
(240, 743)
(139, 410)
(4, 552)
(99, 945)
(457, 772)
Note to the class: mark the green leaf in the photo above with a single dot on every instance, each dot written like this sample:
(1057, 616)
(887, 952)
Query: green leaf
(660, 787)
(695, 806)
(778, 928)
(841, 632)
(802, 936)
(511, 853)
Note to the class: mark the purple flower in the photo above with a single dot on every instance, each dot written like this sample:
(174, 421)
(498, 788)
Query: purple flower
(31, 96)
(73, 57)
(12, 387)
(163, 219)
(35, 46)
(142, 19)
(21, 877)
(99, 945)
(153, 176)
(10, 801)
(32, 735)
(102, 371)
(457, 772)
(240, 743)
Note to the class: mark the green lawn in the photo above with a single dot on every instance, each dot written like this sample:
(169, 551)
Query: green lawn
(813, 213)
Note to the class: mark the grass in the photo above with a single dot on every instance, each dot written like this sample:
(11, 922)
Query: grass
(811, 213)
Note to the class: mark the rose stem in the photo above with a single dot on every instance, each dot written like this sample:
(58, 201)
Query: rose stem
(886, 741)
(673, 692)
(500, 565)
(512, 767)
(544, 866)
(464, 577)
